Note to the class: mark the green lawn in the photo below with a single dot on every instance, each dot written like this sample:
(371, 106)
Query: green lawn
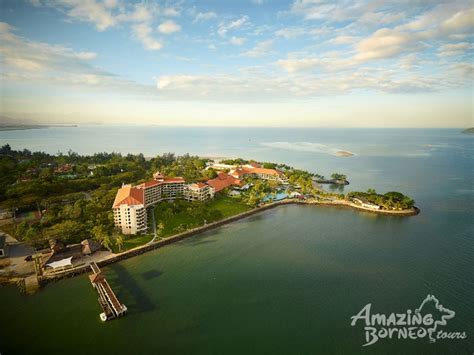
(228, 206)
(179, 216)
(130, 242)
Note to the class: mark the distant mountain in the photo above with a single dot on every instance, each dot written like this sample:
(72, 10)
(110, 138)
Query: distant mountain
(14, 124)
(8, 121)
(468, 130)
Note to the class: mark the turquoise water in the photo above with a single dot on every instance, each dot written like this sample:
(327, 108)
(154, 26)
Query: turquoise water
(284, 281)
(277, 197)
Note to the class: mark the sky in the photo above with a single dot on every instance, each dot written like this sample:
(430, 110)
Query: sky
(238, 62)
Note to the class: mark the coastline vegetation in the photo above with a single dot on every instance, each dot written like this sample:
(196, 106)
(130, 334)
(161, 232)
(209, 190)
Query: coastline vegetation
(68, 197)
(390, 201)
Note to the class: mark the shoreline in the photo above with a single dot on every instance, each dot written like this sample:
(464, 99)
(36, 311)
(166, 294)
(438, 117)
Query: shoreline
(7, 128)
(45, 279)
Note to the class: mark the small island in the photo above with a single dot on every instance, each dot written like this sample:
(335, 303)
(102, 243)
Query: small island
(336, 179)
(469, 130)
(66, 211)
(344, 154)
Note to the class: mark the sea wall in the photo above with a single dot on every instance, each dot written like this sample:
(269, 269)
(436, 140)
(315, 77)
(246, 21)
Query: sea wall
(161, 243)
(190, 233)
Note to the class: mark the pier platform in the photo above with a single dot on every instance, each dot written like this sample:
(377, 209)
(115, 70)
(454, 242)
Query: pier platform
(111, 306)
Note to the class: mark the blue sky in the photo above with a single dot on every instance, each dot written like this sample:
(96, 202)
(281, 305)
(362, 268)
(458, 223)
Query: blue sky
(246, 62)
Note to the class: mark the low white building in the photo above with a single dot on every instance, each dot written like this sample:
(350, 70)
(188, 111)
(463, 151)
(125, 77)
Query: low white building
(366, 204)
(198, 192)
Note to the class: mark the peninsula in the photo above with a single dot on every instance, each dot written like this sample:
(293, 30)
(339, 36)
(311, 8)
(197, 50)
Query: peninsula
(74, 209)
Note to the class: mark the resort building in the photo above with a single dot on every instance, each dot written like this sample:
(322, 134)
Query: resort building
(129, 210)
(261, 173)
(161, 188)
(222, 181)
(218, 166)
(198, 192)
(366, 204)
(130, 203)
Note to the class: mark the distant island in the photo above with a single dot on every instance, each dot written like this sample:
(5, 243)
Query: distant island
(16, 124)
(70, 205)
(24, 127)
(468, 130)
(344, 154)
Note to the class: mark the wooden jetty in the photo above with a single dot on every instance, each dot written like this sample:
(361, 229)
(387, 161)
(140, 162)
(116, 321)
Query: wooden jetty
(111, 306)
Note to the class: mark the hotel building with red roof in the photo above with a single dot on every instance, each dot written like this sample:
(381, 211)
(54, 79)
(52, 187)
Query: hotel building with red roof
(257, 172)
(131, 202)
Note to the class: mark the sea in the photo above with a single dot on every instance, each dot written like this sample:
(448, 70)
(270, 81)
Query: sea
(287, 280)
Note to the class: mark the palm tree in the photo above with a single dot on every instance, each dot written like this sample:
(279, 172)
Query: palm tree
(119, 242)
(159, 230)
(102, 237)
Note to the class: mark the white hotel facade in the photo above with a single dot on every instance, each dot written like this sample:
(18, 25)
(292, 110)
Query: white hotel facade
(131, 202)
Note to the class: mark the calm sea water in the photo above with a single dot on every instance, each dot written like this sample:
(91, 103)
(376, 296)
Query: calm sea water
(284, 281)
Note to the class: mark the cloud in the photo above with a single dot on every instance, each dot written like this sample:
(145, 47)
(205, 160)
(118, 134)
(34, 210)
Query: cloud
(171, 12)
(344, 39)
(169, 27)
(27, 61)
(328, 10)
(204, 16)
(225, 27)
(384, 43)
(454, 49)
(409, 62)
(464, 70)
(20, 53)
(439, 23)
(143, 33)
(109, 13)
(237, 41)
(93, 11)
(140, 13)
(258, 84)
(261, 49)
(296, 65)
(290, 32)
(293, 32)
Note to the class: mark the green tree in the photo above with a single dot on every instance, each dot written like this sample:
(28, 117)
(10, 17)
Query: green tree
(100, 234)
(119, 242)
(67, 231)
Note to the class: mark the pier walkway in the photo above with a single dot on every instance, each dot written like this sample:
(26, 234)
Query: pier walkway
(111, 306)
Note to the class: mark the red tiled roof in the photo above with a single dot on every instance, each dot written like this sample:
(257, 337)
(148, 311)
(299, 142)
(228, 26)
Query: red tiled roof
(152, 183)
(172, 179)
(241, 172)
(222, 181)
(129, 195)
(96, 277)
(197, 185)
(148, 184)
(265, 171)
